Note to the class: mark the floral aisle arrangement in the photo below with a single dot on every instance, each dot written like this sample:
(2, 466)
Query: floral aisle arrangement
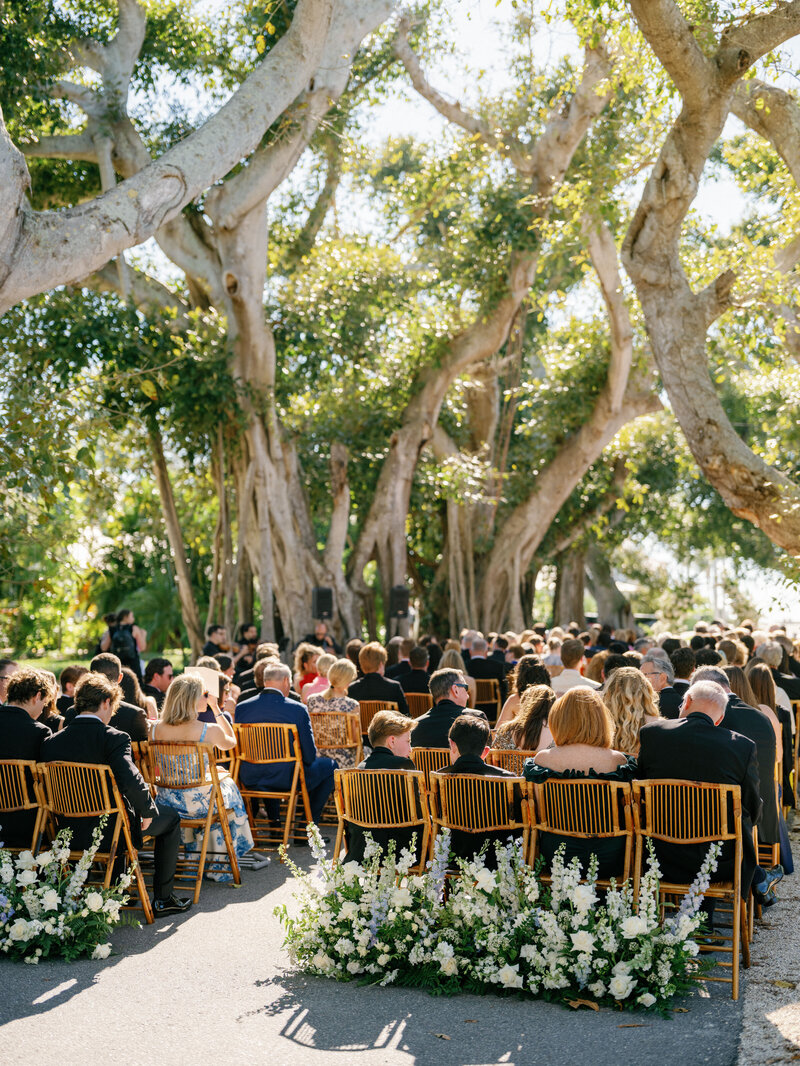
(497, 929)
(46, 908)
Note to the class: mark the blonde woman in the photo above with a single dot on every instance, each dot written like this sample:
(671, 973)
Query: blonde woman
(186, 699)
(452, 660)
(320, 682)
(632, 702)
(341, 673)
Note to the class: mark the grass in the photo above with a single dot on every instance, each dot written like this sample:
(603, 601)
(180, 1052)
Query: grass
(56, 663)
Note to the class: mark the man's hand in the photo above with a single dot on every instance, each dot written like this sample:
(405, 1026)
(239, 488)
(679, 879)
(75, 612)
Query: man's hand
(146, 824)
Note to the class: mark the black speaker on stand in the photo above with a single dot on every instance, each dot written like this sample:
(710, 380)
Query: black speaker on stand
(398, 602)
(322, 603)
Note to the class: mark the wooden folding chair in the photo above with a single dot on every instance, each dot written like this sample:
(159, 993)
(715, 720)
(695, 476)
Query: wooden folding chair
(796, 750)
(770, 854)
(583, 809)
(369, 708)
(487, 697)
(429, 759)
(473, 803)
(88, 790)
(182, 766)
(139, 756)
(419, 703)
(268, 744)
(337, 730)
(19, 792)
(509, 759)
(692, 812)
(382, 799)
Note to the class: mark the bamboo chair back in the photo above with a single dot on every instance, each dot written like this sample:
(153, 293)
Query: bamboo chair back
(429, 759)
(89, 790)
(473, 803)
(139, 755)
(419, 703)
(265, 744)
(509, 759)
(381, 799)
(487, 691)
(338, 730)
(369, 708)
(19, 791)
(693, 812)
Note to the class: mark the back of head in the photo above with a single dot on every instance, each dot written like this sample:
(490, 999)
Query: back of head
(631, 700)
(452, 660)
(739, 685)
(387, 724)
(734, 652)
(479, 646)
(70, 675)
(392, 651)
(670, 644)
(572, 652)
(261, 666)
(92, 690)
(406, 647)
(353, 648)
(267, 650)
(131, 689)
(25, 685)
(106, 664)
(441, 682)
(535, 705)
(707, 657)
(594, 668)
(707, 697)
(341, 673)
(324, 663)
(614, 661)
(209, 662)
(714, 674)
(771, 652)
(697, 642)
(470, 734)
(762, 684)
(418, 657)
(274, 673)
(180, 704)
(683, 663)
(371, 657)
(581, 717)
(530, 671)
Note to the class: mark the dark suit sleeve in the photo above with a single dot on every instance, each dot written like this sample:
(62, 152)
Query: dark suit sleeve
(308, 748)
(751, 788)
(402, 702)
(130, 781)
(139, 725)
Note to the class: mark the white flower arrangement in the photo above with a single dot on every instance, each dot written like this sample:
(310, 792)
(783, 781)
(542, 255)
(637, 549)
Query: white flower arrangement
(45, 910)
(496, 928)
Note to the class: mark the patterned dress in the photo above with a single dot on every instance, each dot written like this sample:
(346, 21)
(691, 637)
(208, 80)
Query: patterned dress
(345, 757)
(193, 803)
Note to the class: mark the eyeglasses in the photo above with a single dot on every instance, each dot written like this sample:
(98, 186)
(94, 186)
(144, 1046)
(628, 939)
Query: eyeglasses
(460, 684)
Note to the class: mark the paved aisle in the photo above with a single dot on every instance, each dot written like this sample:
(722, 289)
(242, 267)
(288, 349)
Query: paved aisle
(213, 987)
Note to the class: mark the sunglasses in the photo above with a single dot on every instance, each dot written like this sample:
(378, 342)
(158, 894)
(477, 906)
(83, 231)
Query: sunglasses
(460, 684)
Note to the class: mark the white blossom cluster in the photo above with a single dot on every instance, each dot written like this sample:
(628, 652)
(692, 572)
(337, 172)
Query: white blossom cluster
(496, 926)
(46, 908)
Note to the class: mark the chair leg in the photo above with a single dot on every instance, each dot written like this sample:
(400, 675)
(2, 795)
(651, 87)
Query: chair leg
(745, 935)
(226, 832)
(201, 862)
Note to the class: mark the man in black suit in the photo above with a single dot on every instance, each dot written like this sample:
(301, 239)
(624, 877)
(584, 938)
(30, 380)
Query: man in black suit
(416, 680)
(450, 693)
(403, 664)
(483, 669)
(683, 665)
(158, 676)
(127, 717)
(772, 654)
(67, 680)
(373, 685)
(21, 737)
(469, 740)
(90, 738)
(693, 748)
(657, 668)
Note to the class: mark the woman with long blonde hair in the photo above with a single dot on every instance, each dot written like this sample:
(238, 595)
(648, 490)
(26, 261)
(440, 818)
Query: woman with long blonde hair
(632, 702)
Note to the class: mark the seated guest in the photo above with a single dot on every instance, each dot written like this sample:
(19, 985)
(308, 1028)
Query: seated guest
(572, 653)
(707, 657)
(245, 679)
(321, 638)
(632, 703)
(469, 741)
(320, 682)
(403, 664)
(305, 664)
(340, 674)
(529, 671)
(452, 659)
(89, 738)
(21, 737)
(772, 654)
(373, 685)
(50, 716)
(132, 693)
(351, 650)
(67, 680)
(483, 669)
(273, 705)
(416, 679)
(449, 691)
(528, 730)
(765, 693)
(158, 674)
(657, 668)
(127, 717)
(7, 668)
(683, 666)
(582, 733)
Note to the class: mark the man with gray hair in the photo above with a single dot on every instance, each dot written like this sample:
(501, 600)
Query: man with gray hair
(772, 654)
(692, 748)
(450, 693)
(272, 704)
(483, 669)
(658, 670)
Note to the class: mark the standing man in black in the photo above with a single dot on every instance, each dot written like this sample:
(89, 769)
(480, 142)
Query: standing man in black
(89, 738)
(21, 737)
(450, 694)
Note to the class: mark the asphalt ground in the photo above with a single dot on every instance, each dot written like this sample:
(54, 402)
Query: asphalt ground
(214, 986)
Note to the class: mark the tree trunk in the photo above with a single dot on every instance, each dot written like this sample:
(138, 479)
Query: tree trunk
(570, 585)
(189, 612)
(613, 606)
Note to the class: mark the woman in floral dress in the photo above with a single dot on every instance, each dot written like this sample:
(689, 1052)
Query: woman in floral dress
(335, 698)
(186, 698)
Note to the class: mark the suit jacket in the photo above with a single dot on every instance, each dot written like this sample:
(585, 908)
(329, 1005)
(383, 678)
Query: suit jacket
(485, 670)
(128, 718)
(754, 724)
(465, 845)
(694, 749)
(87, 739)
(785, 718)
(669, 701)
(399, 670)
(21, 737)
(789, 684)
(415, 681)
(270, 705)
(381, 758)
(432, 727)
(681, 686)
(375, 687)
(157, 694)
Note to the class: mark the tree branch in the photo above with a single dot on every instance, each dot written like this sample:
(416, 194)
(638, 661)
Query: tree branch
(743, 45)
(305, 239)
(603, 254)
(62, 146)
(80, 95)
(668, 34)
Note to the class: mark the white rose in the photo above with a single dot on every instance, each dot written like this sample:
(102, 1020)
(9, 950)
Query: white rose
(485, 880)
(598, 989)
(51, 900)
(402, 898)
(621, 969)
(449, 967)
(509, 976)
(102, 951)
(26, 878)
(633, 926)
(20, 930)
(383, 959)
(94, 901)
(647, 999)
(45, 858)
(350, 872)
(354, 966)
(26, 861)
(621, 986)
(584, 897)
(583, 941)
(348, 909)
(6, 872)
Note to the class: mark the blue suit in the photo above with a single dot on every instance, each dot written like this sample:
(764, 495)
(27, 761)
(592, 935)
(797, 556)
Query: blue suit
(271, 706)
